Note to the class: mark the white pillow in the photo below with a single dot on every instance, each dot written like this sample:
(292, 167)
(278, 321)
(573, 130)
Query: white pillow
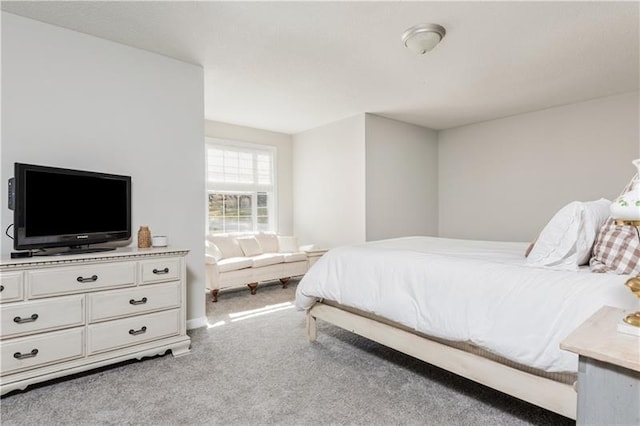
(268, 241)
(288, 244)
(595, 215)
(567, 240)
(250, 246)
(212, 250)
(227, 246)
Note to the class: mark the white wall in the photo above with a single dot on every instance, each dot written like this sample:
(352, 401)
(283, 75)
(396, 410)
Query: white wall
(504, 179)
(76, 101)
(401, 179)
(329, 184)
(283, 144)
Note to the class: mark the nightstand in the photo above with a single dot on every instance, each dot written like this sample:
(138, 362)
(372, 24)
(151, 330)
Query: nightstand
(608, 370)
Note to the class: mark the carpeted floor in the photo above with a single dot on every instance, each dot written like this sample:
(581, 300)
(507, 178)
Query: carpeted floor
(253, 365)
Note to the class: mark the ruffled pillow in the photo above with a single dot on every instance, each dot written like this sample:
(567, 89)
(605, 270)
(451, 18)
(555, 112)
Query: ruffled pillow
(567, 240)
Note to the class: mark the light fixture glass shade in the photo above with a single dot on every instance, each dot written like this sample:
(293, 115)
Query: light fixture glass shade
(423, 37)
(627, 206)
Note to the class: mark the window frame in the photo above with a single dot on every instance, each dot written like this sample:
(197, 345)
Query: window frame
(252, 189)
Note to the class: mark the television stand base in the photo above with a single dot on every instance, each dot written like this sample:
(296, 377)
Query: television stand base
(21, 254)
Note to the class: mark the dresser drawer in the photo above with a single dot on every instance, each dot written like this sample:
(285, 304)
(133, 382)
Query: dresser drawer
(41, 315)
(118, 303)
(116, 334)
(36, 351)
(78, 279)
(155, 271)
(10, 286)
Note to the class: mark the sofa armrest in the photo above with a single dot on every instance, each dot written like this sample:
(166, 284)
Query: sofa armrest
(210, 260)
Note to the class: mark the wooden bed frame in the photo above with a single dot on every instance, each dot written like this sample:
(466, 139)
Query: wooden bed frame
(550, 394)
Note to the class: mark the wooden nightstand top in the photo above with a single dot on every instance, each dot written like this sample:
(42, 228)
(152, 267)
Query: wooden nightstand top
(598, 338)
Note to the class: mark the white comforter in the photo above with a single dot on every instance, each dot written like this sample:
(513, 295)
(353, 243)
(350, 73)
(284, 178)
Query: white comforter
(479, 292)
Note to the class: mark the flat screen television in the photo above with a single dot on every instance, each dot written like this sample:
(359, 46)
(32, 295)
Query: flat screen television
(56, 207)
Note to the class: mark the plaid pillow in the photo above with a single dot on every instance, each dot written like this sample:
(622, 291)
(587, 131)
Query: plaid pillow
(617, 247)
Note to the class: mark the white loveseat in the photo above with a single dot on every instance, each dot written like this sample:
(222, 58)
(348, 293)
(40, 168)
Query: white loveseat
(234, 260)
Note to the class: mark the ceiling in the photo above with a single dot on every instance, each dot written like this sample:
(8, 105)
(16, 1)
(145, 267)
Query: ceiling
(292, 66)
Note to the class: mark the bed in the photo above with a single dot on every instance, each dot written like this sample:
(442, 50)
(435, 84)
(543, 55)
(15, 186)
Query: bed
(475, 308)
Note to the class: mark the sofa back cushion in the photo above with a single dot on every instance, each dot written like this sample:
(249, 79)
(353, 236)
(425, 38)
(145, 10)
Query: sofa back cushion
(227, 245)
(288, 244)
(250, 246)
(268, 241)
(211, 249)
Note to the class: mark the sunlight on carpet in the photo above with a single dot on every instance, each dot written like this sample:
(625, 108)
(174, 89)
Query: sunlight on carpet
(242, 315)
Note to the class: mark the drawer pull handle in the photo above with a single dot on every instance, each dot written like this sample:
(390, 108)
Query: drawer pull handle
(161, 271)
(138, 302)
(31, 354)
(19, 320)
(1, 288)
(91, 279)
(136, 332)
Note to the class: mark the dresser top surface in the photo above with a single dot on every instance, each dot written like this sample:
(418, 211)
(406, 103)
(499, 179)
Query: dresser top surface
(120, 253)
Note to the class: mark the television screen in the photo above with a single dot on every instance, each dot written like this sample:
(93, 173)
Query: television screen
(57, 207)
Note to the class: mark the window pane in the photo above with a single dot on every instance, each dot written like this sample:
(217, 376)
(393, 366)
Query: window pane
(230, 159)
(245, 224)
(263, 224)
(245, 205)
(262, 199)
(215, 204)
(230, 224)
(215, 165)
(235, 213)
(264, 169)
(216, 224)
(230, 205)
(245, 168)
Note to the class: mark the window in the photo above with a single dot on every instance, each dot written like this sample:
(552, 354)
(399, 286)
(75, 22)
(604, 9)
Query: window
(240, 187)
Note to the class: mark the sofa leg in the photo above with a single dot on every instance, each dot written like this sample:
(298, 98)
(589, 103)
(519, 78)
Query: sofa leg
(214, 295)
(285, 281)
(253, 287)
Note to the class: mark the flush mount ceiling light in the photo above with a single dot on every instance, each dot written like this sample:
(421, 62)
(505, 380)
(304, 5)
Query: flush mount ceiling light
(422, 38)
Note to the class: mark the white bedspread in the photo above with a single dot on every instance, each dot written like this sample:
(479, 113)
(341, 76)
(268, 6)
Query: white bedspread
(479, 292)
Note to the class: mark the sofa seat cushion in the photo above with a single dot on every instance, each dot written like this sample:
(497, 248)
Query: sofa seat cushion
(267, 259)
(234, 263)
(294, 257)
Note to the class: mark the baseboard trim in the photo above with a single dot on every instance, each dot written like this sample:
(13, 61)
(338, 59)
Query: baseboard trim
(196, 323)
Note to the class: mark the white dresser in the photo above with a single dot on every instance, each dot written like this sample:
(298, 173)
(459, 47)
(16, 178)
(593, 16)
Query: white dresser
(66, 314)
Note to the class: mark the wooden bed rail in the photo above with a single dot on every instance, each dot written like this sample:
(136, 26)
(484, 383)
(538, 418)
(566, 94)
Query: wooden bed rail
(554, 396)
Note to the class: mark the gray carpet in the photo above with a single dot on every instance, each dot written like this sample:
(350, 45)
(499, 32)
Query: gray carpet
(260, 369)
